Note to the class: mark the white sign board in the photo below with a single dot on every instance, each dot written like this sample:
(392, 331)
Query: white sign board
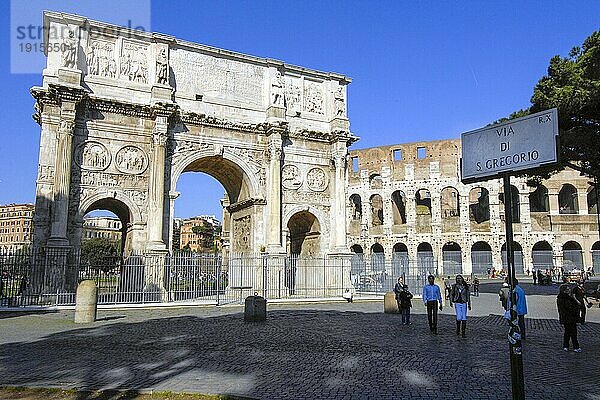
(516, 145)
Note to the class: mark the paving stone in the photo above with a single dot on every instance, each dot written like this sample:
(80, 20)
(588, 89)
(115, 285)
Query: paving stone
(311, 351)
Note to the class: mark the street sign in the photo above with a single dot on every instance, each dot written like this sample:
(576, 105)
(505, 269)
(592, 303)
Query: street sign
(516, 145)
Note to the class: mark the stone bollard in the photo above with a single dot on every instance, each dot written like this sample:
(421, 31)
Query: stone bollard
(255, 308)
(390, 306)
(86, 302)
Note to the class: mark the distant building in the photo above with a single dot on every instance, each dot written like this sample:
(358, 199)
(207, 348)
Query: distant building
(407, 202)
(198, 233)
(102, 227)
(176, 238)
(16, 228)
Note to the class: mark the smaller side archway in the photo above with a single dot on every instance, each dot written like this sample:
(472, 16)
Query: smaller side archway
(481, 258)
(572, 256)
(538, 200)
(514, 201)
(596, 256)
(357, 264)
(304, 234)
(450, 203)
(399, 259)
(399, 207)
(376, 210)
(567, 200)
(542, 256)
(356, 203)
(379, 276)
(479, 205)
(425, 260)
(452, 258)
(518, 258)
(592, 200)
(423, 202)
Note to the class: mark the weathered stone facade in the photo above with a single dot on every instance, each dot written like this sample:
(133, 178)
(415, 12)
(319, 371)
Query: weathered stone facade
(124, 113)
(406, 196)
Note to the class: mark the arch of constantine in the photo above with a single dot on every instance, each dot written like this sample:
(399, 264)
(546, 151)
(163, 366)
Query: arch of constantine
(125, 113)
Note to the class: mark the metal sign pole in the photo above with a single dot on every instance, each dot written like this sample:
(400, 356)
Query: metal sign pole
(514, 334)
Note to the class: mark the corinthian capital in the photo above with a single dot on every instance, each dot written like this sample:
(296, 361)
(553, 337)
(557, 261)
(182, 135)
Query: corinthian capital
(339, 160)
(159, 133)
(274, 150)
(66, 126)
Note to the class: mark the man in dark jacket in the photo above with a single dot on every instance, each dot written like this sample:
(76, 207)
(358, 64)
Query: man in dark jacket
(568, 314)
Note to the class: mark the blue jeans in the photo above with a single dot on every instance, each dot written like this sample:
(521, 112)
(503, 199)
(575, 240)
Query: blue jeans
(405, 314)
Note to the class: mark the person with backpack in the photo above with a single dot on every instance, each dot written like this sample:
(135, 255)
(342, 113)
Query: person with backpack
(405, 304)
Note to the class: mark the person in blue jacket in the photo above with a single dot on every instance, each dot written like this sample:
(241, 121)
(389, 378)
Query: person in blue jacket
(432, 297)
(521, 307)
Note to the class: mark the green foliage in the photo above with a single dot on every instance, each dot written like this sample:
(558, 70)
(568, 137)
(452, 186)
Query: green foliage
(100, 253)
(572, 85)
(201, 229)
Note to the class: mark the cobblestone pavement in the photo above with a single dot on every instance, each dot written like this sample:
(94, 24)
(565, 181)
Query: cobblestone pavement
(308, 351)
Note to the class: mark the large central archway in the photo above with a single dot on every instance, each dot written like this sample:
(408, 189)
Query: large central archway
(239, 214)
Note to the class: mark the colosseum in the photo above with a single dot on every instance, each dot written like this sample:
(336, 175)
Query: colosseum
(407, 208)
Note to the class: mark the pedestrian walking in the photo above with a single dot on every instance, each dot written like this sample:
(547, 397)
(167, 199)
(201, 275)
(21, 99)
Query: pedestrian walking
(534, 274)
(476, 286)
(405, 304)
(397, 289)
(503, 295)
(568, 314)
(447, 287)
(579, 293)
(461, 298)
(432, 298)
(521, 307)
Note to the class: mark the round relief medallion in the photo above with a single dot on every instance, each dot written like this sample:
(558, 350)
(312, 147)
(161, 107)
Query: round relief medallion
(290, 177)
(316, 179)
(131, 160)
(92, 156)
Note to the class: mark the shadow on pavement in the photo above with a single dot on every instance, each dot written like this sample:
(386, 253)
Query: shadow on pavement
(305, 354)
(4, 314)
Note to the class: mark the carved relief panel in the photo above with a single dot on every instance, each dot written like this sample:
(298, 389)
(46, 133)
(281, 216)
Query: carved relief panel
(242, 231)
(313, 97)
(304, 183)
(100, 58)
(92, 156)
(290, 177)
(316, 179)
(131, 160)
(133, 62)
(218, 77)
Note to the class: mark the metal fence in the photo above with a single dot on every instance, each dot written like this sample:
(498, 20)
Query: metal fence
(542, 259)
(481, 262)
(50, 277)
(572, 259)
(376, 274)
(452, 262)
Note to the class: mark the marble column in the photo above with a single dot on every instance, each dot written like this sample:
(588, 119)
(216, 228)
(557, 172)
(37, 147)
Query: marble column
(62, 176)
(339, 199)
(274, 193)
(157, 185)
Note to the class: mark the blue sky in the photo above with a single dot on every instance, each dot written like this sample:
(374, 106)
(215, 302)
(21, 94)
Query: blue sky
(421, 70)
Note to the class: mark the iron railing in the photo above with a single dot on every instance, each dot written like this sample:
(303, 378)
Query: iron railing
(51, 276)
